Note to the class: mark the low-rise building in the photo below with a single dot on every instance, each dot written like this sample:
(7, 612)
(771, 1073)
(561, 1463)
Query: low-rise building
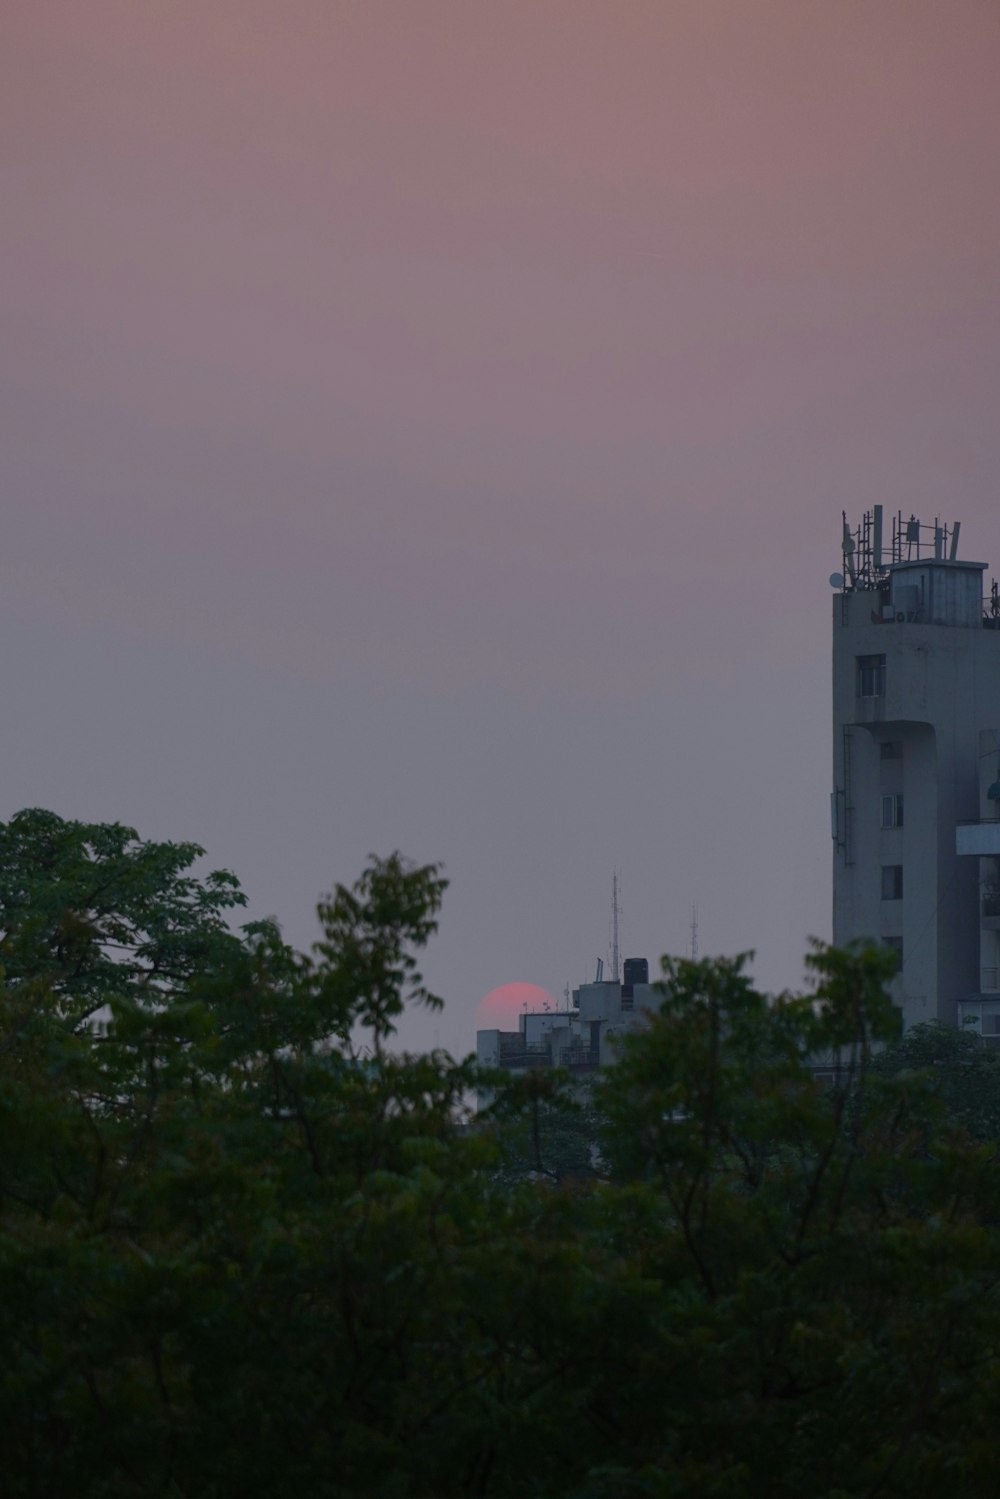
(580, 1038)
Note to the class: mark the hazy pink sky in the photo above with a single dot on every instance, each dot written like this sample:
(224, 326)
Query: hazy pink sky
(427, 424)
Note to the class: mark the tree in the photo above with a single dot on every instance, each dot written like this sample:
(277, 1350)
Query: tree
(545, 1126)
(94, 913)
(828, 1316)
(207, 1207)
(958, 1068)
(245, 1249)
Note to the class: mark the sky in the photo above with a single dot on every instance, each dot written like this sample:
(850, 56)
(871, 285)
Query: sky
(425, 424)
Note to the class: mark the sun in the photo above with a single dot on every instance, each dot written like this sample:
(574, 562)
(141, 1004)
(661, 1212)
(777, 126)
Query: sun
(500, 1009)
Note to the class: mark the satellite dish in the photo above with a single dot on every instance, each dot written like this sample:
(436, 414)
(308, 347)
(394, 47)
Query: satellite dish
(836, 580)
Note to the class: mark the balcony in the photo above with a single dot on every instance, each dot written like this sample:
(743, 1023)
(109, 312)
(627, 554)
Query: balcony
(579, 1058)
(981, 838)
(535, 1056)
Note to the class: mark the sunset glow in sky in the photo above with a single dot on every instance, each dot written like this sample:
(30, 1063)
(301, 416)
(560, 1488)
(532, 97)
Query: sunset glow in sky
(503, 1007)
(427, 426)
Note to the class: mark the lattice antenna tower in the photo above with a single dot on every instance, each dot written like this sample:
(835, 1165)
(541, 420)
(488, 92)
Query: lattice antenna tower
(868, 552)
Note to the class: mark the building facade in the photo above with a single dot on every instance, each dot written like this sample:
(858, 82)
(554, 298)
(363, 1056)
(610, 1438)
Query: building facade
(916, 694)
(979, 842)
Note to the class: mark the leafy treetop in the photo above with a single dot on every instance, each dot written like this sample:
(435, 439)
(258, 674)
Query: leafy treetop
(96, 913)
(244, 1250)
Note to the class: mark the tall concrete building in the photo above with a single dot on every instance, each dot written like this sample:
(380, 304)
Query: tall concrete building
(916, 697)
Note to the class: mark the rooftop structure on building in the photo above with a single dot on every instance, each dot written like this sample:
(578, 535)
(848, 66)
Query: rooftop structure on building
(916, 718)
(582, 1037)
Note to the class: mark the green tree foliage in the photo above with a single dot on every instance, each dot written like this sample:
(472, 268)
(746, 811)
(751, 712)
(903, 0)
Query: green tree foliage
(826, 1320)
(246, 1250)
(547, 1127)
(962, 1071)
(94, 914)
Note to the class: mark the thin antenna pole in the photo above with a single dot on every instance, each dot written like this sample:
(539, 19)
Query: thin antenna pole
(694, 934)
(615, 970)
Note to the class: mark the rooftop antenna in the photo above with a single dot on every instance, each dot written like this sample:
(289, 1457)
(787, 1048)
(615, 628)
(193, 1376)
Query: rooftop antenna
(848, 550)
(615, 972)
(694, 934)
(912, 538)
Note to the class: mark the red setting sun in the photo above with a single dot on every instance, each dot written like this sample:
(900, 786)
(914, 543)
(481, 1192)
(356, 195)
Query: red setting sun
(499, 1010)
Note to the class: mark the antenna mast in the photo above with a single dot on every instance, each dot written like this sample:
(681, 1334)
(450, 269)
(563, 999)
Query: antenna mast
(615, 970)
(694, 934)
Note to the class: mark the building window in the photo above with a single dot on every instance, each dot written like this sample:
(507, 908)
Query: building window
(892, 811)
(892, 882)
(892, 749)
(871, 676)
(895, 944)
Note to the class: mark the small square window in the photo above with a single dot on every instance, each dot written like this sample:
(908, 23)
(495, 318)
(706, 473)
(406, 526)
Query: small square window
(871, 676)
(891, 749)
(892, 882)
(895, 944)
(892, 811)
